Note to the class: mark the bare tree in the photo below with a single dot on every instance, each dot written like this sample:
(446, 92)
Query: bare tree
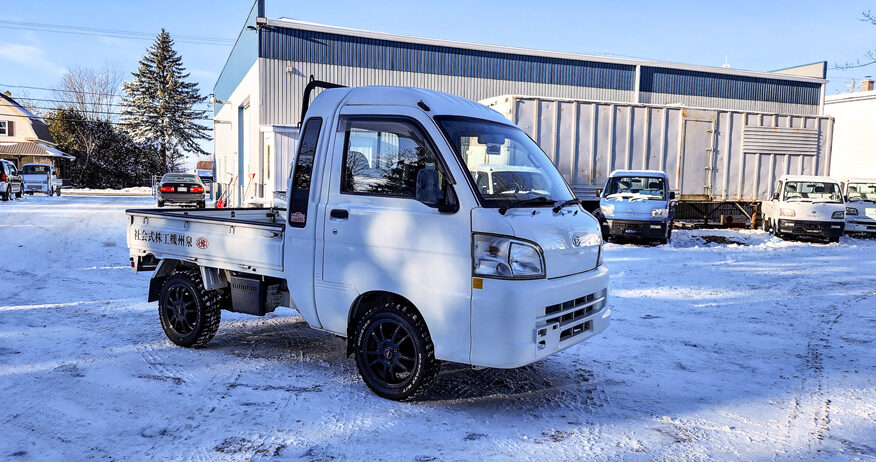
(94, 93)
(869, 56)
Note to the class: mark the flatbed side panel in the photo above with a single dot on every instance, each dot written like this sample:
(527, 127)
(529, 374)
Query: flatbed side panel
(236, 245)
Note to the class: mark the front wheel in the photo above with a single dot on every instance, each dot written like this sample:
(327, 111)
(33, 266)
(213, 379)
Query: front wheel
(189, 313)
(20, 193)
(394, 352)
(202, 205)
(58, 192)
(161, 203)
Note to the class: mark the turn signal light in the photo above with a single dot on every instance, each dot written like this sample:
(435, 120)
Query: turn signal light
(196, 189)
(167, 189)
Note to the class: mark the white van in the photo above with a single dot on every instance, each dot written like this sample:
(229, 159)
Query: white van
(860, 195)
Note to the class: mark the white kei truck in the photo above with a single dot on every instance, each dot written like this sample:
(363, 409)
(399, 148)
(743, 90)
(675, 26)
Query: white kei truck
(860, 195)
(40, 178)
(388, 240)
(805, 206)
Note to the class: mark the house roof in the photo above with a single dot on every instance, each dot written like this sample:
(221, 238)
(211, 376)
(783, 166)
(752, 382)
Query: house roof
(39, 127)
(28, 148)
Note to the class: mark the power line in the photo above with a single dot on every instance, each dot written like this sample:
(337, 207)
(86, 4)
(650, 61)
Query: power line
(97, 111)
(78, 92)
(113, 33)
(76, 120)
(62, 101)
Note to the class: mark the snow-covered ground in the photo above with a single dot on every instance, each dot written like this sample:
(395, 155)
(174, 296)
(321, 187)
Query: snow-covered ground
(754, 350)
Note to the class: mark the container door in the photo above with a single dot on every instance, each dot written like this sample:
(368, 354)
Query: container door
(696, 159)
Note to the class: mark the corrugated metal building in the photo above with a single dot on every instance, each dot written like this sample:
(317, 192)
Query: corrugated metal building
(259, 91)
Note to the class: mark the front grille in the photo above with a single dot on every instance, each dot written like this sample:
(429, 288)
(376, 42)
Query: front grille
(569, 315)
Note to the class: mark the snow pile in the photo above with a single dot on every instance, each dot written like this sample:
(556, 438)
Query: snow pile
(135, 191)
(753, 349)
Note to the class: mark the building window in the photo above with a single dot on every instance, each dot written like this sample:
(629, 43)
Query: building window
(4, 127)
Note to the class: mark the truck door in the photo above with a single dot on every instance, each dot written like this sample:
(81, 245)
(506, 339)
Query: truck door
(299, 259)
(379, 237)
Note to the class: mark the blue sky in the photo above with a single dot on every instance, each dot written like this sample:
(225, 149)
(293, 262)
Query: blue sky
(757, 35)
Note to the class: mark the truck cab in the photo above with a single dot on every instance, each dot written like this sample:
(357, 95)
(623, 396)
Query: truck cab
(860, 196)
(390, 240)
(805, 206)
(636, 204)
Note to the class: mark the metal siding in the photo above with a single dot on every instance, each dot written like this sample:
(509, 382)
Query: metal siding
(743, 105)
(681, 142)
(282, 85)
(712, 85)
(344, 50)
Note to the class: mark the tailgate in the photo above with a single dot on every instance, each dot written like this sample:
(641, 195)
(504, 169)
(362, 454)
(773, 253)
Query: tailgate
(228, 244)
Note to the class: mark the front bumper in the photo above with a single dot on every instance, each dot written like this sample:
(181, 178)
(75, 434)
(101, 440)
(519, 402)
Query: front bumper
(36, 187)
(644, 229)
(854, 225)
(812, 228)
(514, 323)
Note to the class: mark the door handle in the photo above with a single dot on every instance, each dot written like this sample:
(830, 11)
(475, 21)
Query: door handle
(339, 214)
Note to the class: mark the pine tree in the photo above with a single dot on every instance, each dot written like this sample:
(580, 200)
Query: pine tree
(160, 105)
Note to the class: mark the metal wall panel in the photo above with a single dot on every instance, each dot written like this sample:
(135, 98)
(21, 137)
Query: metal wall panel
(283, 82)
(729, 104)
(697, 83)
(346, 50)
(702, 151)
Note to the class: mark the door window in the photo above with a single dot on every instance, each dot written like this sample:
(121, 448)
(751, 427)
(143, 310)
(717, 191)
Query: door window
(303, 171)
(382, 156)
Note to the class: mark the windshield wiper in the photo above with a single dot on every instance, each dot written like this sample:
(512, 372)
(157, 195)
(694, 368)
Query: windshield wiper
(565, 204)
(540, 200)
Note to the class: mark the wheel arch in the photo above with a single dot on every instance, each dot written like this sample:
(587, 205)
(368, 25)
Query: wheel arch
(366, 300)
(165, 268)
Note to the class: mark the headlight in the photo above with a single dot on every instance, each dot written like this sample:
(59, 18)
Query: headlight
(607, 210)
(787, 212)
(851, 211)
(505, 257)
(659, 213)
(838, 215)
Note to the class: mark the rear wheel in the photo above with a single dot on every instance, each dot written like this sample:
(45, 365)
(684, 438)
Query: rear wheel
(394, 352)
(189, 313)
(202, 204)
(7, 196)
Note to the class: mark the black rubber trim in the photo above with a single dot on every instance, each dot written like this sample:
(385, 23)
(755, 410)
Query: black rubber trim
(183, 213)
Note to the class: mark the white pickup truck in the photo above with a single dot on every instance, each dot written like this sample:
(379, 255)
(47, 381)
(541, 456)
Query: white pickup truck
(388, 241)
(40, 178)
(805, 206)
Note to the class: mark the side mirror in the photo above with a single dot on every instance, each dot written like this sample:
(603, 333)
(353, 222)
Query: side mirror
(599, 192)
(775, 196)
(671, 195)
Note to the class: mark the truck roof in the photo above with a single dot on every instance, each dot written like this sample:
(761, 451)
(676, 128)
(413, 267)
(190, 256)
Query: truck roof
(657, 173)
(439, 103)
(828, 179)
(859, 180)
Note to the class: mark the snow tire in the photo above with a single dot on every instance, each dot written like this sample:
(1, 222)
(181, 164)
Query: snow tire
(409, 335)
(189, 313)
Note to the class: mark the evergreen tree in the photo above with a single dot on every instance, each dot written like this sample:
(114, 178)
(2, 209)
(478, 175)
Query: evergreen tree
(160, 105)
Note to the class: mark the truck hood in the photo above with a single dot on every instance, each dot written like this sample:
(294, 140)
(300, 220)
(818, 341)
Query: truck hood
(570, 239)
(632, 209)
(866, 209)
(814, 211)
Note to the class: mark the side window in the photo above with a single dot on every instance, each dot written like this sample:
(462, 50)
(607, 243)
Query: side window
(383, 156)
(302, 174)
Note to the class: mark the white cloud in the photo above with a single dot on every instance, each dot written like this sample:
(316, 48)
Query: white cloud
(29, 56)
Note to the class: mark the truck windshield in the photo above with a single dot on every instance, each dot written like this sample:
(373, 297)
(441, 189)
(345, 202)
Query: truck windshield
(862, 192)
(812, 191)
(505, 164)
(635, 187)
(35, 169)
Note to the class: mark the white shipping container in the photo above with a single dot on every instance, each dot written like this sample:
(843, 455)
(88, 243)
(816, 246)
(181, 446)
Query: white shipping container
(708, 154)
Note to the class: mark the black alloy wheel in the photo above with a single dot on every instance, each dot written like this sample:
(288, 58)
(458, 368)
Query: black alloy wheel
(394, 352)
(189, 314)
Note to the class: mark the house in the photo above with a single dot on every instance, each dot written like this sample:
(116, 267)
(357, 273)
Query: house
(24, 137)
(853, 136)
